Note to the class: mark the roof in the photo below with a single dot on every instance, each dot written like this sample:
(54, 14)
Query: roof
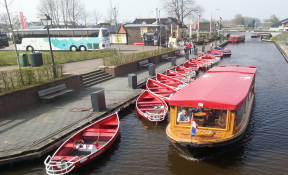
(165, 21)
(277, 24)
(220, 88)
(110, 28)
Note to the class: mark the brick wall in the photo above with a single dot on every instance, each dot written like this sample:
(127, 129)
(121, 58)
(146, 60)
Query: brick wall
(14, 100)
(133, 35)
(127, 68)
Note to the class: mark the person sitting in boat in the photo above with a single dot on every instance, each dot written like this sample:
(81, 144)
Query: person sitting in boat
(184, 116)
(222, 119)
(199, 110)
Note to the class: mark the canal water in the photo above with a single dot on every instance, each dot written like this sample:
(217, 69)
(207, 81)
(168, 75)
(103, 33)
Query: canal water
(143, 147)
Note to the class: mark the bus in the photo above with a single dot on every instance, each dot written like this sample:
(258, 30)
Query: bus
(3, 40)
(62, 39)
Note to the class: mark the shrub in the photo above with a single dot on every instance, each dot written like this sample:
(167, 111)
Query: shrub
(19, 78)
(122, 59)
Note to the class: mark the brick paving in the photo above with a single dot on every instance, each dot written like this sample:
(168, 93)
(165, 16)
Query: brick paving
(23, 130)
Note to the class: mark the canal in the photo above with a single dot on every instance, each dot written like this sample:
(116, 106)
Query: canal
(143, 147)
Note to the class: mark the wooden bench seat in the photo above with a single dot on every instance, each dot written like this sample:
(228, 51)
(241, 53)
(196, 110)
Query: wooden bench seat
(152, 88)
(148, 102)
(53, 92)
(144, 63)
(151, 109)
(67, 158)
(101, 130)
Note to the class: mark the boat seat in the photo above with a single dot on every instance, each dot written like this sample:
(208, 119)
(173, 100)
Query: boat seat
(152, 88)
(67, 158)
(148, 98)
(93, 136)
(101, 130)
(148, 102)
(113, 122)
(151, 109)
(162, 92)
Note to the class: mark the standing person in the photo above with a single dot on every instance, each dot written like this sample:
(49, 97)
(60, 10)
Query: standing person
(192, 48)
(189, 46)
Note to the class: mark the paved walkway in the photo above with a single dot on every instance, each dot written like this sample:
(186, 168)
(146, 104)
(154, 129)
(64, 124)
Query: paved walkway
(24, 130)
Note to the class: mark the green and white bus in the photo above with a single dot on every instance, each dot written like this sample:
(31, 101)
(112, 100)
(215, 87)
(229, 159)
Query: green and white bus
(63, 39)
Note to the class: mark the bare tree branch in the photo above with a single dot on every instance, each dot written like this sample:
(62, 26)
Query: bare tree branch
(96, 16)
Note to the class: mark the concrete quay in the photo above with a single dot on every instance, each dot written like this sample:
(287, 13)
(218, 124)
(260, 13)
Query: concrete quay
(283, 49)
(34, 132)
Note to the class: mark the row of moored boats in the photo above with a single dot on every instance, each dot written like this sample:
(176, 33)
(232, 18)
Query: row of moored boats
(152, 104)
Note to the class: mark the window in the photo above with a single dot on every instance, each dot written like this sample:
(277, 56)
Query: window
(210, 118)
(117, 38)
(40, 34)
(24, 35)
(65, 34)
(79, 33)
(240, 115)
(93, 33)
(54, 33)
(105, 33)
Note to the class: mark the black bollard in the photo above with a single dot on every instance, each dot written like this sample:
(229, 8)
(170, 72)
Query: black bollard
(195, 51)
(152, 69)
(132, 81)
(203, 48)
(174, 60)
(98, 101)
(187, 55)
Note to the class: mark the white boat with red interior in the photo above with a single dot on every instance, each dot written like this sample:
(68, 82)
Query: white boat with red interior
(163, 91)
(151, 107)
(169, 81)
(84, 146)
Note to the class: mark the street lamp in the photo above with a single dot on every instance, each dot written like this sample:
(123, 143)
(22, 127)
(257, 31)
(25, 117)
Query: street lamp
(47, 21)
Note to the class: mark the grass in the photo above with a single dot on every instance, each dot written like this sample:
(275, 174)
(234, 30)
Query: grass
(8, 58)
(281, 37)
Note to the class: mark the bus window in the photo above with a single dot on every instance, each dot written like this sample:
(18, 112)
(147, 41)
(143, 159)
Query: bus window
(66, 33)
(39, 34)
(94, 33)
(23, 34)
(54, 33)
(240, 114)
(80, 33)
(105, 33)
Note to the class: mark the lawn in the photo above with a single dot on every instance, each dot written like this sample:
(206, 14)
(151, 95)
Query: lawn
(8, 58)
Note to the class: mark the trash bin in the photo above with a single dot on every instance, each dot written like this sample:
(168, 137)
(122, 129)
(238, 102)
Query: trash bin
(36, 59)
(23, 60)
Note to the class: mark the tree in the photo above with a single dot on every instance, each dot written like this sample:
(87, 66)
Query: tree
(113, 13)
(75, 12)
(96, 15)
(273, 19)
(51, 8)
(238, 20)
(64, 10)
(252, 23)
(86, 15)
(182, 9)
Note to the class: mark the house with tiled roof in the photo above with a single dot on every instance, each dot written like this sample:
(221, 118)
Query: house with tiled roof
(280, 25)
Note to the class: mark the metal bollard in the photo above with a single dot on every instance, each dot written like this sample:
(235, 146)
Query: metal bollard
(195, 51)
(187, 55)
(215, 43)
(152, 69)
(203, 48)
(132, 81)
(98, 101)
(174, 60)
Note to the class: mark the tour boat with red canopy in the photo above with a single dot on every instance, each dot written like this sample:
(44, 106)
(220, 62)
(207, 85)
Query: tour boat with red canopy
(84, 146)
(236, 38)
(163, 91)
(151, 107)
(169, 81)
(220, 101)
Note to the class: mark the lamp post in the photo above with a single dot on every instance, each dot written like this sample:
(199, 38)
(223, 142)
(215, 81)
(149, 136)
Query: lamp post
(47, 21)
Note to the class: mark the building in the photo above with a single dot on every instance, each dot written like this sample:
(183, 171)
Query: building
(168, 22)
(280, 25)
(118, 34)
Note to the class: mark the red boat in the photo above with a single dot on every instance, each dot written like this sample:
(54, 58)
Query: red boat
(182, 77)
(200, 64)
(169, 81)
(151, 107)
(216, 53)
(255, 35)
(237, 38)
(162, 90)
(84, 146)
(226, 52)
(212, 58)
(187, 71)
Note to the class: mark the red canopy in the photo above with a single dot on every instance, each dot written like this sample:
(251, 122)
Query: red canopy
(219, 88)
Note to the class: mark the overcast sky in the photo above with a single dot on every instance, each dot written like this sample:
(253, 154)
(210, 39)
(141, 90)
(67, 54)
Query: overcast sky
(131, 9)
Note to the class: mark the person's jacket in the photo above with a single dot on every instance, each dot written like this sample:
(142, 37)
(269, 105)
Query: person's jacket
(189, 46)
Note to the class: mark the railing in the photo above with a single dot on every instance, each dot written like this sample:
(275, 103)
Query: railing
(59, 167)
(156, 117)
